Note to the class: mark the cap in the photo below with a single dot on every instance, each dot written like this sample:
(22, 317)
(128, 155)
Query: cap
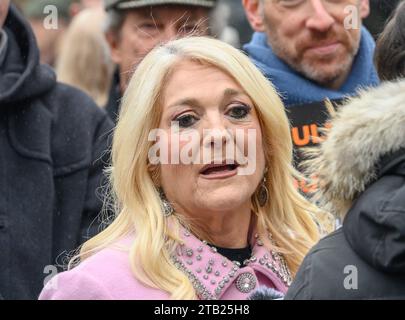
(129, 4)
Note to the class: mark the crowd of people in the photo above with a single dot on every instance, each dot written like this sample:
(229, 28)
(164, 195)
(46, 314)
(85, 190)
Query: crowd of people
(105, 190)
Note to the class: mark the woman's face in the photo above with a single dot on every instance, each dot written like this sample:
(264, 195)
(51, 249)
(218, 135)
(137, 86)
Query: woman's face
(208, 118)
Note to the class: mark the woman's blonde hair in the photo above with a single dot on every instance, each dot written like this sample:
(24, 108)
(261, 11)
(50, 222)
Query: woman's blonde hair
(289, 217)
(85, 60)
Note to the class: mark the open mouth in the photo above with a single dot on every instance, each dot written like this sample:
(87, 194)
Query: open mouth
(219, 170)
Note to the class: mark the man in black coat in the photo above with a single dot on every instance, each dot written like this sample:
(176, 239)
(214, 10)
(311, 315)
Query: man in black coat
(53, 142)
(361, 171)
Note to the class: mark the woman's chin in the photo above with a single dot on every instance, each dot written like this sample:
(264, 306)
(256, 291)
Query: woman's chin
(224, 199)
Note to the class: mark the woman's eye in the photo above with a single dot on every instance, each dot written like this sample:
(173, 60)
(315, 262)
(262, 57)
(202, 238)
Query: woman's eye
(239, 112)
(186, 121)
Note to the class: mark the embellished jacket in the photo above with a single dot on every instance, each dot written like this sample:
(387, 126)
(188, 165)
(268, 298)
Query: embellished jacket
(107, 274)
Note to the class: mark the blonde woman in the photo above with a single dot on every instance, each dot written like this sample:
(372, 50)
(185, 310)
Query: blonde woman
(85, 60)
(200, 230)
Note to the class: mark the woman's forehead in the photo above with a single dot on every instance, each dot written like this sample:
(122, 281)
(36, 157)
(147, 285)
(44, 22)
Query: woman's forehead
(190, 79)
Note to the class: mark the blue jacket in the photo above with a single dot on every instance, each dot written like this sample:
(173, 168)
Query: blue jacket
(296, 89)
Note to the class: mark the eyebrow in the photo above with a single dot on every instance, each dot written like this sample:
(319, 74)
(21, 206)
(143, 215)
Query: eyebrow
(192, 102)
(228, 93)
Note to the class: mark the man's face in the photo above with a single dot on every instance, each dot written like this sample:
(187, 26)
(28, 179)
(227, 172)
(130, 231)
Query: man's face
(144, 28)
(318, 38)
(4, 4)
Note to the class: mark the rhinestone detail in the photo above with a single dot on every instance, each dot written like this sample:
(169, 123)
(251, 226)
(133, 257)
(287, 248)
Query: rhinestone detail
(246, 282)
(201, 291)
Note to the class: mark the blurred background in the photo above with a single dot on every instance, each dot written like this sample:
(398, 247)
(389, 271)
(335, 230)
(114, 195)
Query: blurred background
(80, 34)
(231, 23)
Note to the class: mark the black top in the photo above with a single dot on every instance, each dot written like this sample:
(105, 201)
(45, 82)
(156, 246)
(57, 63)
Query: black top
(239, 254)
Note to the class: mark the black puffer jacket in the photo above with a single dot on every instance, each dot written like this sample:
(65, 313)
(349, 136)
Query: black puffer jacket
(362, 171)
(53, 141)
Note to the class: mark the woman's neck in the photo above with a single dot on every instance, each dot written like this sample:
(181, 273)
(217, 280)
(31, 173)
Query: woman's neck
(225, 230)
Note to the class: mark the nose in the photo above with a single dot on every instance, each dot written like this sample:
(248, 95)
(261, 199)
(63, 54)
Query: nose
(320, 20)
(216, 134)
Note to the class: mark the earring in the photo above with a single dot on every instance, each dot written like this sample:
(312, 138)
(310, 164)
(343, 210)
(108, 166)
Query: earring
(263, 192)
(167, 207)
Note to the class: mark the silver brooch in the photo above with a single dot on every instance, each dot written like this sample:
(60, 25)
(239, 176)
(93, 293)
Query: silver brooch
(246, 282)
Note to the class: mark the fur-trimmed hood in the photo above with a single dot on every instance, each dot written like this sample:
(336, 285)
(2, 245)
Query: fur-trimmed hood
(365, 134)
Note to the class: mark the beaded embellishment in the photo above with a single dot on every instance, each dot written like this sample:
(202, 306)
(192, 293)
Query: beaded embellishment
(245, 282)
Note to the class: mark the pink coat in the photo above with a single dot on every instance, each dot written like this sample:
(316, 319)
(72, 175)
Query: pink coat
(107, 274)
